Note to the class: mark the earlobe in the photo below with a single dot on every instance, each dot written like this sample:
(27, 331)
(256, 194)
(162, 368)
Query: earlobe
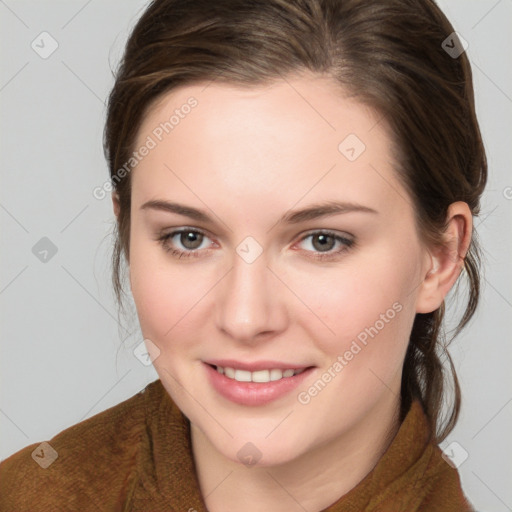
(447, 260)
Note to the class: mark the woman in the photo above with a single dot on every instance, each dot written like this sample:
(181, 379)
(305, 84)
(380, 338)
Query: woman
(294, 184)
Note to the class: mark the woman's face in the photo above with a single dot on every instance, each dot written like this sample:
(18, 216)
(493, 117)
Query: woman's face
(294, 246)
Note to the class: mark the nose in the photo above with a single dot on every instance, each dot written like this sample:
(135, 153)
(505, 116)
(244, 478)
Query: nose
(250, 304)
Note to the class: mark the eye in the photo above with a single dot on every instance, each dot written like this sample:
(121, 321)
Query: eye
(188, 242)
(190, 239)
(323, 243)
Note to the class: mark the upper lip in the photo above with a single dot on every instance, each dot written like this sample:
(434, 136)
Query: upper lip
(255, 365)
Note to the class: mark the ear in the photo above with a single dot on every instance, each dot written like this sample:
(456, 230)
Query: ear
(445, 263)
(116, 204)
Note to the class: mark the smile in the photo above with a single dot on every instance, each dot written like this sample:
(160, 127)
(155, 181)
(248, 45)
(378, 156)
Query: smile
(258, 383)
(259, 375)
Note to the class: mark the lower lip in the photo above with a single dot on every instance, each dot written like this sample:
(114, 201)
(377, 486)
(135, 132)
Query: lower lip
(253, 393)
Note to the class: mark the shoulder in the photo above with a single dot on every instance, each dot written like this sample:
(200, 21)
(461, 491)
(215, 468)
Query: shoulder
(89, 462)
(442, 484)
(415, 474)
(436, 475)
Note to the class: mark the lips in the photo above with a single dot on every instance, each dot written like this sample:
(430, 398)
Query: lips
(254, 392)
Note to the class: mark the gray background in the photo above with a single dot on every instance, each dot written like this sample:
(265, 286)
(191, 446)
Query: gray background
(64, 357)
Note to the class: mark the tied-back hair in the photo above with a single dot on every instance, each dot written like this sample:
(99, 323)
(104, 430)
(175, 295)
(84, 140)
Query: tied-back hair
(389, 55)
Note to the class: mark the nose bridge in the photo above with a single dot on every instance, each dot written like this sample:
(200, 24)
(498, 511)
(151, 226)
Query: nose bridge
(249, 301)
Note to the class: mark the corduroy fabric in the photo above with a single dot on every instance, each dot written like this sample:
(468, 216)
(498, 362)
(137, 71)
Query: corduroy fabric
(136, 456)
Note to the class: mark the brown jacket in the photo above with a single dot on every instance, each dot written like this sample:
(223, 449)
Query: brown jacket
(136, 456)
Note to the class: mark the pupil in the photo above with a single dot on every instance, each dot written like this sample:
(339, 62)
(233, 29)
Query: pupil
(323, 241)
(191, 238)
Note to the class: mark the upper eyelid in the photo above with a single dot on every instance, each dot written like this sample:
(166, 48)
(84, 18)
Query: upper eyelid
(333, 232)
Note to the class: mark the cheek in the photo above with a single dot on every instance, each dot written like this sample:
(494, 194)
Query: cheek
(173, 300)
(161, 297)
(365, 308)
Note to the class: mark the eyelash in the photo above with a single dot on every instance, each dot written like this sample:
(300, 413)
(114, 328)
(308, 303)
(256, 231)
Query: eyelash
(323, 256)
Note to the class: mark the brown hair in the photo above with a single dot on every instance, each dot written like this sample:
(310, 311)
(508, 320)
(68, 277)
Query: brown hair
(388, 54)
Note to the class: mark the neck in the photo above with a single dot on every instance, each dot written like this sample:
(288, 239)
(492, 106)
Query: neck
(312, 481)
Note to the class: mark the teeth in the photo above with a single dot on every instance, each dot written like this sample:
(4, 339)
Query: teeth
(242, 376)
(257, 376)
(276, 374)
(261, 376)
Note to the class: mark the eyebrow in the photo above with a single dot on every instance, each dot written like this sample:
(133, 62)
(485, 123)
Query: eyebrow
(315, 211)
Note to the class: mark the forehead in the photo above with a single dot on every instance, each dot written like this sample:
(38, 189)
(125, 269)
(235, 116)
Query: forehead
(300, 106)
(297, 136)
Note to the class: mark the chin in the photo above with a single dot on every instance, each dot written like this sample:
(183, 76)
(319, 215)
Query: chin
(259, 453)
